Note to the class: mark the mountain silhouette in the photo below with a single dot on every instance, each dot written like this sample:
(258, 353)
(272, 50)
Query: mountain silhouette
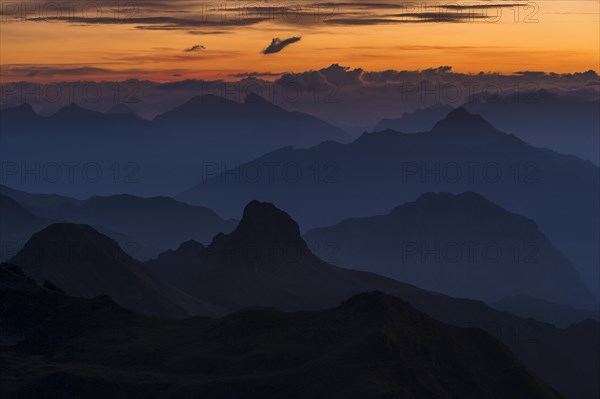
(461, 245)
(104, 351)
(263, 262)
(85, 263)
(560, 315)
(220, 119)
(421, 120)
(568, 124)
(137, 224)
(41, 211)
(278, 270)
(33, 202)
(17, 224)
(462, 122)
(148, 158)
(334, 181)
(144, 220)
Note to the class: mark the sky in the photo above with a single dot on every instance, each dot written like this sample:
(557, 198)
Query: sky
(166, 41)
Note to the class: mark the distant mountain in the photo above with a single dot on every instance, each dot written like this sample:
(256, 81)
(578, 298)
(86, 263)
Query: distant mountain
(325, 184)
(70, 121)
(560, 315)
(220, 120)
(42, 210)
(17, 224)
(20, 118)
(110, 153)
(35, 201)
(160, 222)
(421, 120)
(370, 346)
(461, 245)
(563, 123)
(85, 263)
(74, 117)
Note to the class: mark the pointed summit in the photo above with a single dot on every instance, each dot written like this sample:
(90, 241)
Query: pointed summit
(23, 110)
(462, 122)
(209, 108)
(263, 222)
(265, 237)
(254, 98)
(74, 112)
(256, 101)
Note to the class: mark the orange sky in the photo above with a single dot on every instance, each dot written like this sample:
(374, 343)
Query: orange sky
(558, 36)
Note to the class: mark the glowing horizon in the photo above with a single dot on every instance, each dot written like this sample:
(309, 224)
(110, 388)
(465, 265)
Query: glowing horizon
(185, 40)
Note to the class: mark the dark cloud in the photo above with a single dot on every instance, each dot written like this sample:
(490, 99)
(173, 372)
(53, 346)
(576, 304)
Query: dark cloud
(255, 74)
(155, 23)
(211, 32)
(189, 15)
(197, 47)
(58, 70)
(337, 93)
(277, 44)
(342, 76)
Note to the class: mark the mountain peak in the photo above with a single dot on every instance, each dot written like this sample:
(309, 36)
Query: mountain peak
(256, 100)
(462, 122)
(265, 222)
(74, 110)
(86, 263)
(74, 237)
(465, 212)
(265, 231)
(22, 110)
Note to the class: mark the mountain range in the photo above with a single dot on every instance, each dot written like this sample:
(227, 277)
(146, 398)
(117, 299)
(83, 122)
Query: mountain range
(460, 245)
(109, 153)
(371, 346)
(420, 120)
(558, 314)
(325, 184)
(159, 222)
(85, 263)
(17, 224)
(564, 123)
(265, 262)
(137, 224)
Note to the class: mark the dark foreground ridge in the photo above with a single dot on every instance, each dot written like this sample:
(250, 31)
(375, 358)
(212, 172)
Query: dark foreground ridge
(371, 346)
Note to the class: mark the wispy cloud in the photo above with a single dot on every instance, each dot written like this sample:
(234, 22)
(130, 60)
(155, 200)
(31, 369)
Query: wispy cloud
(256, 74)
